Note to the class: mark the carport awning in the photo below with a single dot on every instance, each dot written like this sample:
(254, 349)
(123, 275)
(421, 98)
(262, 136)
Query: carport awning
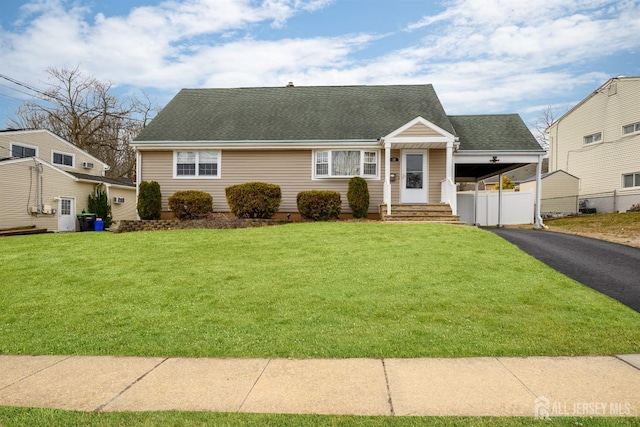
(475, 166)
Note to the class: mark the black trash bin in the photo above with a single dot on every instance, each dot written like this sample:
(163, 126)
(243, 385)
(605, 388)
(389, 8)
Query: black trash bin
(86, 221)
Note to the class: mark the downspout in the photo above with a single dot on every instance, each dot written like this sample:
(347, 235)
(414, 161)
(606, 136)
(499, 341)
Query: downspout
(538, 224)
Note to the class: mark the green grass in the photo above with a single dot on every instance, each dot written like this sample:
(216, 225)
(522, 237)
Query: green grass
(299, 290)
(11, 417)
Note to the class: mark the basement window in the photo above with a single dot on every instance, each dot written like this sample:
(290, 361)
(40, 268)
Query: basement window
(590, 139)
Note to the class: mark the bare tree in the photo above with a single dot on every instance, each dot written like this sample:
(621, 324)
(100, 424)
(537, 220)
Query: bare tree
(545, 118)
(83, 110)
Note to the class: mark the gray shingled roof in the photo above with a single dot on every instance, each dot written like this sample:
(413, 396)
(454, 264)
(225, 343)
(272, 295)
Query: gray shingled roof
(294, 113)
(504, 132)
(116, 181)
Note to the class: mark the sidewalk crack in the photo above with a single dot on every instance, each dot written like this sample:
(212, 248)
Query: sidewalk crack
(137, 380)
(517, 378)
(386, 380)
(253, 385)
(36, 372)
(617, 356)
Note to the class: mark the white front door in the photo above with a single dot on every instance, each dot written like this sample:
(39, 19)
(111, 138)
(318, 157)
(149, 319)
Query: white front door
(66, 214)
(414, 176)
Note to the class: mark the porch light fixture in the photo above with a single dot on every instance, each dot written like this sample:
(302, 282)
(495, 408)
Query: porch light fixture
(494, 159)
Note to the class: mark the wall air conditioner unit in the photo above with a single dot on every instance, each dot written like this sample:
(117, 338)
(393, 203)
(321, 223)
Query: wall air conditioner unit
(87, 165)
(118, 200)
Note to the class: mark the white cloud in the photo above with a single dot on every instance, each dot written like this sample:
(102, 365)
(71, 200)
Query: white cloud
(481, 55)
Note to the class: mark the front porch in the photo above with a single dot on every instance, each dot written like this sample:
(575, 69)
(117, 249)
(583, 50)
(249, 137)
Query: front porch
(419, 213)
(423, 163)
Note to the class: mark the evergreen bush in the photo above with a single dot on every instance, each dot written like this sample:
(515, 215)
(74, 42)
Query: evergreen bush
(319, 205)
(99, 205)
(149, 200)
(191, 204)
(254, 199)
(358, 197)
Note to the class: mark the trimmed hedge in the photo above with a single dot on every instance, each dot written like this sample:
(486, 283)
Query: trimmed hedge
(319, 205)
(149, 200)
(254, 199)
(191, 204)
(358, 197)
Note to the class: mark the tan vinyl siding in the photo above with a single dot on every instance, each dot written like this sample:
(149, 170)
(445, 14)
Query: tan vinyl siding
(290, 169)
(437, 173)
(126, 210)
(559, 192)
(46, 144)
(419, 130)
(21, 194)
(599, 166)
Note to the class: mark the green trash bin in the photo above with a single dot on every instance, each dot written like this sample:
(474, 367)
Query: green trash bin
(86, 221)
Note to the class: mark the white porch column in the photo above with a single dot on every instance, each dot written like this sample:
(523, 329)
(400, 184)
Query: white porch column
(138, 177)
(449, 172)
(387, 176)
(538, 218)
(449, 184)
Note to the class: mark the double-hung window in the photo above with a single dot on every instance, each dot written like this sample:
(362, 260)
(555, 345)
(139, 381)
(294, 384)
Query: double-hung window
(632, 128)
(595, 137)
(346, 163)
(18, 150)
(631, 180)
(62, 159)
(197, 164)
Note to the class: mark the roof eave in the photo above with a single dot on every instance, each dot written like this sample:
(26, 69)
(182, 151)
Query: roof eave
(254, 144)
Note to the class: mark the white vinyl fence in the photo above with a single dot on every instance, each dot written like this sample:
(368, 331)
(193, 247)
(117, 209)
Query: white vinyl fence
(517, 207)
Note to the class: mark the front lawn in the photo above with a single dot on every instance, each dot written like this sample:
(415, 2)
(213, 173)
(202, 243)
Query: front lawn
(298, 290)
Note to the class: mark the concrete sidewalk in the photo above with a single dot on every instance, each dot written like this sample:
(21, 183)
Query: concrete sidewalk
(500, 386)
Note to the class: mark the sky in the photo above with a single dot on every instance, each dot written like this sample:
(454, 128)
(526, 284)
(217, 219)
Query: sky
(482, 56)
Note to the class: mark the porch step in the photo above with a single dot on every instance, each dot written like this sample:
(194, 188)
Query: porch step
(420, 213)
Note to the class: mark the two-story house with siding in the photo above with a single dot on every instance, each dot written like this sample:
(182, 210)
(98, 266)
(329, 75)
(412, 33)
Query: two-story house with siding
(45, 181)
(598, 141)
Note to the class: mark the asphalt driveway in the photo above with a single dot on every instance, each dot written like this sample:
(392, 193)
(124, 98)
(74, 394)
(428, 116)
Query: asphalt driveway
(609, 268)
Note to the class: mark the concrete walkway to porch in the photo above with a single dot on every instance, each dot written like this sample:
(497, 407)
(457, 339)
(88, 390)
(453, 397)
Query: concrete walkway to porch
(497, 386)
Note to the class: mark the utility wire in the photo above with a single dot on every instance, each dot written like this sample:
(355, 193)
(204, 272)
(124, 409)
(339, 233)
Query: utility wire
(52, 96)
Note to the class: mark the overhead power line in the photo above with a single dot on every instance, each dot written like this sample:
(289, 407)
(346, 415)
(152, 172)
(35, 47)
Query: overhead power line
(50, 95)
(26, 86)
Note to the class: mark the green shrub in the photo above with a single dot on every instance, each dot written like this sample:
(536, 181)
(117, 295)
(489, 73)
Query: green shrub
(254, 199)
(191, 204)
(98, 204)
(358, 197)
(319, 205)
(149, 200)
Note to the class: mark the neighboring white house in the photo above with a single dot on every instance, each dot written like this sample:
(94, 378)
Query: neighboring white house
(45, 181)
(598, 141)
